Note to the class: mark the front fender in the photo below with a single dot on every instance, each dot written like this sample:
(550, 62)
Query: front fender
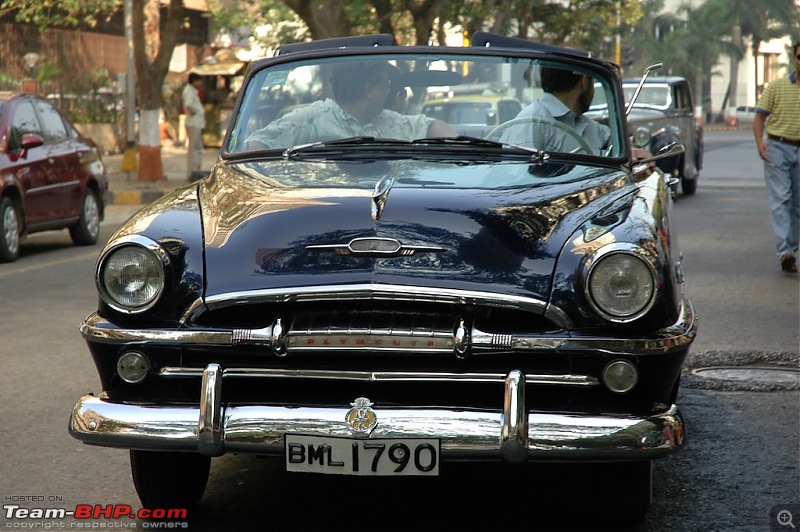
(643, 221)
(173, 222)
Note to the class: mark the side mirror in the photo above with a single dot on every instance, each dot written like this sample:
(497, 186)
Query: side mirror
(29, 141)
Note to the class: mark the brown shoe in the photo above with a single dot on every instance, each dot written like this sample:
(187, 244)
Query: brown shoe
(789, 264)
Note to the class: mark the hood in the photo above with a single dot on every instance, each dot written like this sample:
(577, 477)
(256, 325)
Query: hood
(488, 227)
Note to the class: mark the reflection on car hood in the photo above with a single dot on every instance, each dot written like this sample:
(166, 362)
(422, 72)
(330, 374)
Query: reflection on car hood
(425, 227)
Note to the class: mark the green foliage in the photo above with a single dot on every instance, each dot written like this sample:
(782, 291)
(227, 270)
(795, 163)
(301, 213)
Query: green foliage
(90, 99)
(9, 82)
(60, 13)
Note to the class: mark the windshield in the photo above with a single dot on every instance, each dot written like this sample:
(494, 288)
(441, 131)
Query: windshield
(517, 101)
(650, 96)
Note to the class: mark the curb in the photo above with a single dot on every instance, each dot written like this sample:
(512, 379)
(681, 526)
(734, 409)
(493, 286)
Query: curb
(135, 197)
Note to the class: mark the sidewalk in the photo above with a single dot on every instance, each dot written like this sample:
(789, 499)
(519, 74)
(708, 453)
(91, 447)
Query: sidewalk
(124, 188)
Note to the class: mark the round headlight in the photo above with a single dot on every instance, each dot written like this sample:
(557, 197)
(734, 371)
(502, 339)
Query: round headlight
(131, 278)
(621, 286)
(641, 137)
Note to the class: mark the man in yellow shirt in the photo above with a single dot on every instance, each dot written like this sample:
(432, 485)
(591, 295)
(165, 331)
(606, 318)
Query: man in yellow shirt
(778, 112)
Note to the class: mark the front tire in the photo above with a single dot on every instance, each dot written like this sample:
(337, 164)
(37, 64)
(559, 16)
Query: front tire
(86, 231)
(9, 230)
(169, 479)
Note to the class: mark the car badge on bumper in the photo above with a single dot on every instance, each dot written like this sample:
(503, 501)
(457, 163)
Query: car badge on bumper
(361, 419)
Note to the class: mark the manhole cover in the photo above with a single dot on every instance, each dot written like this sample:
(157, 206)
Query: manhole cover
(766, 375)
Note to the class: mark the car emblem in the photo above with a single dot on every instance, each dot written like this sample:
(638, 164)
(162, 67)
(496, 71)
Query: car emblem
(375, 247)
(361, 418)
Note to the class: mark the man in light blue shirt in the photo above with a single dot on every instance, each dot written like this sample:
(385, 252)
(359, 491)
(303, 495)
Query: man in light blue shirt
(568, 96)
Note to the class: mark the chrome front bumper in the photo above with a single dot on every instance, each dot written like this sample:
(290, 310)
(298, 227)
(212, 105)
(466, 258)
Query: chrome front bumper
(512, 433)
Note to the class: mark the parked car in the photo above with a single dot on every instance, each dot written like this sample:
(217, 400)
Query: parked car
(745, 114)
(474, 113)
(665, 109)
(378, 305)
(52, 176)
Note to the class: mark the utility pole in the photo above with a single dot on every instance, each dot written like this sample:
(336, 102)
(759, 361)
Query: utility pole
(618, 48)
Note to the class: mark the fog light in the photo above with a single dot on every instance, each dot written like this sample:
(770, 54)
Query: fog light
(620, 376)
(133, 367)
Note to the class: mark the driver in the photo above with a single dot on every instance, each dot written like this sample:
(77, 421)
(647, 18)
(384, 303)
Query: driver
(357, 109)
(568, 96)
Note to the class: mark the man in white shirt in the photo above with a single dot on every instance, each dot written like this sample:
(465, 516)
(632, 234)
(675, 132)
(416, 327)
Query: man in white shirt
(357, 109)
(568, 96)
(195, 122)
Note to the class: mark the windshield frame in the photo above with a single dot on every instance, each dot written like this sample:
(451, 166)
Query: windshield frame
(600, 70)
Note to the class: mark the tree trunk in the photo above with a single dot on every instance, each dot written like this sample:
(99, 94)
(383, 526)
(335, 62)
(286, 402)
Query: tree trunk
(423, 15)
(324, 19)
(152, 53)
(736, 58)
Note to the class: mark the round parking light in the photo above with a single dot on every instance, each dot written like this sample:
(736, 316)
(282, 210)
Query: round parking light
(620, 376)
(133, 367)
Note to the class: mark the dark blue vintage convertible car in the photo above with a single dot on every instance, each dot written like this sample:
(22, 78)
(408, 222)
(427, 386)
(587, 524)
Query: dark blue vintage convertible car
(362, 291)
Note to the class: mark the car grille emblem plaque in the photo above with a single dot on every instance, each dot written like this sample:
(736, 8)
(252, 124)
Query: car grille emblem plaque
(361, 418)
(375, 247)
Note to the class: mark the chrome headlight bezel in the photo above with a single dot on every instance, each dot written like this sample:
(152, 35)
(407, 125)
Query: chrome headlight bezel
(153, 252)
(597, 260)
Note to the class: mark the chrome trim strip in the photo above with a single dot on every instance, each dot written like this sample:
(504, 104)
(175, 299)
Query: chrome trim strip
(209, 426)
(675, 337)
(100, 330)
(418, 294)
(379, 376)
(464, 434)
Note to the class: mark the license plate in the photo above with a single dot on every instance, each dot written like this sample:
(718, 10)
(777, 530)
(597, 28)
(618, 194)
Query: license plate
(352, 456)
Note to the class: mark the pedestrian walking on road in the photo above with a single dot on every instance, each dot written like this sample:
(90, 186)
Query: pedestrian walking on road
(778, 112)
(195, 122)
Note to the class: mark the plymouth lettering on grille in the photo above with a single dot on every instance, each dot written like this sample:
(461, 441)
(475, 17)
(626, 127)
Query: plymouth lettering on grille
(322, 341)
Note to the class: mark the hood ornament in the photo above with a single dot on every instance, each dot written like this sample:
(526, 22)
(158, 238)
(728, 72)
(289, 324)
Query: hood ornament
(375, 247)
(379, 196)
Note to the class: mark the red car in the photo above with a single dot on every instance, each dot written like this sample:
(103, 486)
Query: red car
(51, 177)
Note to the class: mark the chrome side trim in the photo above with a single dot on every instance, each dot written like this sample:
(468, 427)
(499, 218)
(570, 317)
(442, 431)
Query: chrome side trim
(464, 434)
(673, 338)
(379, 376)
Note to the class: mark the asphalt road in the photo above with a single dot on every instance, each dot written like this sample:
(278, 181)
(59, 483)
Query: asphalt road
(739, 469)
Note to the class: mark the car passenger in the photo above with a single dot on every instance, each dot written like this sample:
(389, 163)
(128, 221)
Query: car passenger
(568, 96)
(357, 109)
